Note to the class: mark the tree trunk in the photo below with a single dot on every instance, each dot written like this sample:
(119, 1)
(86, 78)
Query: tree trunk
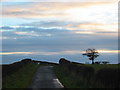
(92, 61)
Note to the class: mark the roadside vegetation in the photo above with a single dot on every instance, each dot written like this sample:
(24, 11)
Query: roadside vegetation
(21, 78)
(73, 75)
(102, 66)
(68, 80)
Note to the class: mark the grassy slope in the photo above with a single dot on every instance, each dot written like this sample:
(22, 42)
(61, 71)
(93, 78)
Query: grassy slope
(67, 79)
(70, 81)
(101, 66)
(21, 78)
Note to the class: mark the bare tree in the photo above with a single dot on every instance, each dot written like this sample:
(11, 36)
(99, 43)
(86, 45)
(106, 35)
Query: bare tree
(92, 54)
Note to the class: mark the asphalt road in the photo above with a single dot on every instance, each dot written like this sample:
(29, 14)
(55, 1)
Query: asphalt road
(45, 78)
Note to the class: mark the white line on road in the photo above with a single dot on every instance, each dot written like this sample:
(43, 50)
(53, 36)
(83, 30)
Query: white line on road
(59, 82)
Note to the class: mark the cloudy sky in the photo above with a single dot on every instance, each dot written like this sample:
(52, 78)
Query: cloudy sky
(50, 30)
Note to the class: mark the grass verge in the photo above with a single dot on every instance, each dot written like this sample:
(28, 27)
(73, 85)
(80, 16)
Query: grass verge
(68, 80)
(20, 79)
(72, 80)
(102, 66)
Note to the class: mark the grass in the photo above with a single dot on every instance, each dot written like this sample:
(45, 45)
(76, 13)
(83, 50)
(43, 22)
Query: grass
(68, 80)
(101, 66)
(22, 78)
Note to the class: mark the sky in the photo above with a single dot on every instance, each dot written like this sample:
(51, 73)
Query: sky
(54, 29)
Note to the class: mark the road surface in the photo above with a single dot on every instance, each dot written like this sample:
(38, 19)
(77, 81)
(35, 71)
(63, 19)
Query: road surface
(45, 78)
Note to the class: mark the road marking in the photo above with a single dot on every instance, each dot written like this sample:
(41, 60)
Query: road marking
(59, 82)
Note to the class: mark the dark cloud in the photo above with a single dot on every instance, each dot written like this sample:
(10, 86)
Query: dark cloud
(59, 40)
(108, 32)
(6, 28)
(47, 23)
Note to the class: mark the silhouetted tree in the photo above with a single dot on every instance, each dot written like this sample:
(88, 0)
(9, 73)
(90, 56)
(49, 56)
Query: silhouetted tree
(92, 54)
(105, 62)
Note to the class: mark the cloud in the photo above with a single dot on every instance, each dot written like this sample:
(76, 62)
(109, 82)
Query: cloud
(58, 41)
(59, 25)
(6, 27)
(16, 1)
(84, 32)
(14, 53)
(78, 28)
(109, 51)
(72, 52)
(41, 53)
(37, 31)
(60, 0)
(31, 33)
(57, 29)
(99, 27)
(70, 16)
(41, 10)
(7, 38)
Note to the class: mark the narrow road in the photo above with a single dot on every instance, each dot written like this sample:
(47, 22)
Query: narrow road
(45, 78)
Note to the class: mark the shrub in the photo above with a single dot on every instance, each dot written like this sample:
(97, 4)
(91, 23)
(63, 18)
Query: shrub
(107, 77)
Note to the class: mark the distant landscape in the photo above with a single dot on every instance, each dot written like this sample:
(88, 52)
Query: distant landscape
(70, 74)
